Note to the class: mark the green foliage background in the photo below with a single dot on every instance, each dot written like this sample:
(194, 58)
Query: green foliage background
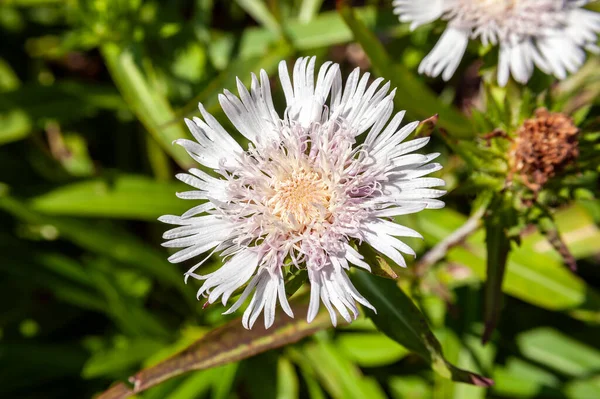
(92, 93)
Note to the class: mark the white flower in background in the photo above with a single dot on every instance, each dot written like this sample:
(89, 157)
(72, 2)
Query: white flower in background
(551, 34)
(303, 191)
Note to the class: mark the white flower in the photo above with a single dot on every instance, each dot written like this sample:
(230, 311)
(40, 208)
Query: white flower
(551, 34)
(303, 192)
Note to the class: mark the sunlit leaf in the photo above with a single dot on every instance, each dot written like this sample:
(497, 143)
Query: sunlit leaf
(124, 196)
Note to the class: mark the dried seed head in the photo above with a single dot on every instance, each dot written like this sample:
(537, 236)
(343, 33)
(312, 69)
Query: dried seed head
(544, 146)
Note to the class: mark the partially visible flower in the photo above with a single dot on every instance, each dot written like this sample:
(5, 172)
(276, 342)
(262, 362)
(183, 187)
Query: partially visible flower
(550, 34)
(303, 192)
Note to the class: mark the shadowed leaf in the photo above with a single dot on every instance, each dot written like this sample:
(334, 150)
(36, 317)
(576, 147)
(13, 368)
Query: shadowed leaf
(224, 345)
(399, 318)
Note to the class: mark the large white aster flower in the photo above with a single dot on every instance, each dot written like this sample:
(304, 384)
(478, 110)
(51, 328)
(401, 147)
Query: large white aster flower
(303, 192)
(551, 34)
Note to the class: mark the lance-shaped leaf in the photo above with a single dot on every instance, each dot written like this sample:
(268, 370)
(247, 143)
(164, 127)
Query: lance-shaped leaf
(414, 95)
(150, 107)
(223, 345)
(400, 319)
(124, 196)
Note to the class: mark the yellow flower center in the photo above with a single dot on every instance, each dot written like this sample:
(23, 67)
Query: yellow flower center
(300, 199)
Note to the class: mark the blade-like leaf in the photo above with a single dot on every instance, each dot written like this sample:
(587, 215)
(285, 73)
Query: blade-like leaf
(558, 351)
(223, 345)
(260, 12)
(126, 196)
(151, 108)
(399, 318)
(340, 377)
(414, 95)
(102, 239)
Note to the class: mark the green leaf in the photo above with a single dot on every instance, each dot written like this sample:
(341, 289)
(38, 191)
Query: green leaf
(124, 196)
(531, 275)
(339, 376)
(151, 108)
(103, 239)
(399, 318)
(223, 345)
(588, 388)
(113, 361)
(287, 380)
(308, 10)
(370, 350)
(558, 351)
(520, 379)
(413, 95)
(410, 387)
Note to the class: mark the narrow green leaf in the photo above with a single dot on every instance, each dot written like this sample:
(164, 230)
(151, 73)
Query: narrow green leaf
(369, 349)
(413, 95)
(118, 359)
(559, 352)
(287, 380)
(260, 12)
(340, 377)
(224, 345)
(410, 386)
(308, 9)
(103, 239)
(151, 108)
(124, 196)
(399, 318)
(308, 373)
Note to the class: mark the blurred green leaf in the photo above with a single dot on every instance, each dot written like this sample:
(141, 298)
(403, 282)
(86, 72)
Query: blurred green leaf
(587, 388)
(308, 373)
(560, 352)
(287, 380)
(153, 110)
(224, 345)
(308, 10)
(112, 362)
(370, 350)
(409, 387)
(399, 318)
(531, 276)
(340, 377)
(124, 196)
(37, 363)
(414, 96)
(260, 12)
(520, 379)
(103, 239)
(14, 125)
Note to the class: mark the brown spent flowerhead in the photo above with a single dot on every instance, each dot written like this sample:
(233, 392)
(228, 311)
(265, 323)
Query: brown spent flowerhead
(544, 146)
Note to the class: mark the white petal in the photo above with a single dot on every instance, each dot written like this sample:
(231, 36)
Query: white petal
(446, 55)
